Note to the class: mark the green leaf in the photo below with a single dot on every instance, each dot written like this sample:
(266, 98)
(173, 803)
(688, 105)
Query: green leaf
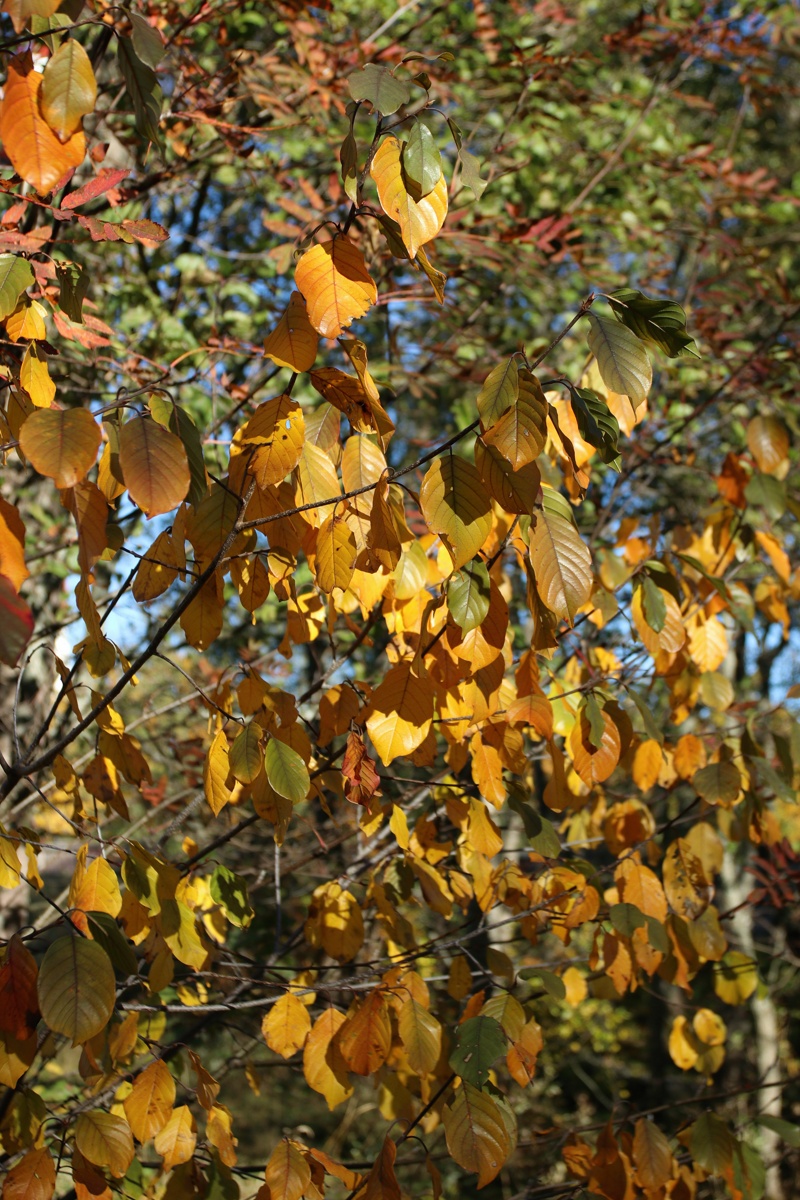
(471, 173)
(626, 918)
(552, 984)
(74, 283)
(657, 935)
(597, 424)
(468, 595)
(143, 89)
(652, 729)
(230, 891)
(785, 1130)
(767, 492)
(621, 359)
(662, 322)
(422, 162)
(593, 712)
(147, 41)
(16, 274)
(246, 756)
(749, 1172)
(712, 1143)
(348, 156)
(479, 1042)
(76, 988)
(540, 832)
(107, 933)
(286, 771)
(377, 85)
(654, 606)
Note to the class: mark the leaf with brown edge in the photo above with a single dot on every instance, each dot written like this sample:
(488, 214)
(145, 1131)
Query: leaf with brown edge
(515, 491)
(32, 1178)
(400, 713)
(323, 1067)
(287, 1172)
(154, 466)
(366, 1037)
(361, 780)
(294, 340)
(149, 1104)
(68, 90)
(560, 559)
(688, 891)
(36, 153)
(336, 284)
(105, 1140)
(61, 443)
(76, 988)
(456, 507)
(381, 1183)
(336, 555)
(177, 1140)
(286, 1026)
(476, 1133)
(419, 220)
(19, 1005)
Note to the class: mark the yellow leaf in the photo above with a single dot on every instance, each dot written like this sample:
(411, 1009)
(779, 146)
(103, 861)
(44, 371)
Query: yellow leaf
(419, 220)
(523, 1052)
(273, 440)
(61, 443)
(708, 642)
(148, 1106)
(202, 620)
(246, 755)
(154, 466)
(177, 1140)
(34, 375)
(286, 1026)
(335, 922)
(421, 1035)
(95, 889)
(287, 1173)
(455, 506)
(68, 90)
(293, 342)
(647, 763)
(35, 152)
(560, 559)
(336, 285)
(593, 764)
(477, 1135)
(768, 442)
(323, 1067)
(157, 570)
(685, 884)
(219, 1132)
(335, 555)
(76, 988)
(671, 637)
(12, 544)
(105, 1140)
(317, 480)
(400, 713)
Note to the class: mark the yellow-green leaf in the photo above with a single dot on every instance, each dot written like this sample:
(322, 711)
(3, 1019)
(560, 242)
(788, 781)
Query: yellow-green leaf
(76, 988)
(286, 771)
(105, 1140)
(560, 559)
(69, 89)
(621, 358)
(456, 507)
(476, 1133)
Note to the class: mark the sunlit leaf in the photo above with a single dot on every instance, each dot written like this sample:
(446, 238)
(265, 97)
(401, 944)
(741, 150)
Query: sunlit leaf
(68, 90)
(35, 152)
(286, 1025)
(149, 1104)
(286, 771)
(400, 714)
(293, 341)
(105, 1140)
(456, 507)
(61, 443)
(336, 285)
(560, 559)
(419, 220)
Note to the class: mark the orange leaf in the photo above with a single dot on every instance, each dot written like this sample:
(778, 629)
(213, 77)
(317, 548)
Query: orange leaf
(366, 1036)
(293, 341)
(177, 1140)
(154, 466)
(286, 1026)
(33, 1178)
(35, 152)
(149, 1104)
(61, 443)
(323, 1067)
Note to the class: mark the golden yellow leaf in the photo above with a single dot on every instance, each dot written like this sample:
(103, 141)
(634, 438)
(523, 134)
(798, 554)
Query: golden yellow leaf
(293, 342)
(323, 1067)
(671, 637)
(12, 544)
(768, 442)
(523, 1052)
(26, 321)
(317, 481)
(647, 763)
(68, 89)
(287, 1173)
(95, 889)
(419, 220)
(157, 570)
(219, 1132)
(148, 1106)
(400, 713)
(520, 433)
(286, 1026)
(34, 375)
(335, 555)
(560, 559)
(335, 922)
(708, 642)
(687, 889)
(177, 1140)
(421, 1035)
(35, 152)
(272, 440)
(336, 285)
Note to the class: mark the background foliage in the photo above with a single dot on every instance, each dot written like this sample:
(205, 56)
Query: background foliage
(444, 836)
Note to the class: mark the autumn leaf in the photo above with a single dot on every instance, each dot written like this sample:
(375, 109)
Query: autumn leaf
(336, 285)
(35, 151)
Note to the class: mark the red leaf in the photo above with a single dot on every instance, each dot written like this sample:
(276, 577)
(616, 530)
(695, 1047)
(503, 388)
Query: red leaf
(98, 186)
